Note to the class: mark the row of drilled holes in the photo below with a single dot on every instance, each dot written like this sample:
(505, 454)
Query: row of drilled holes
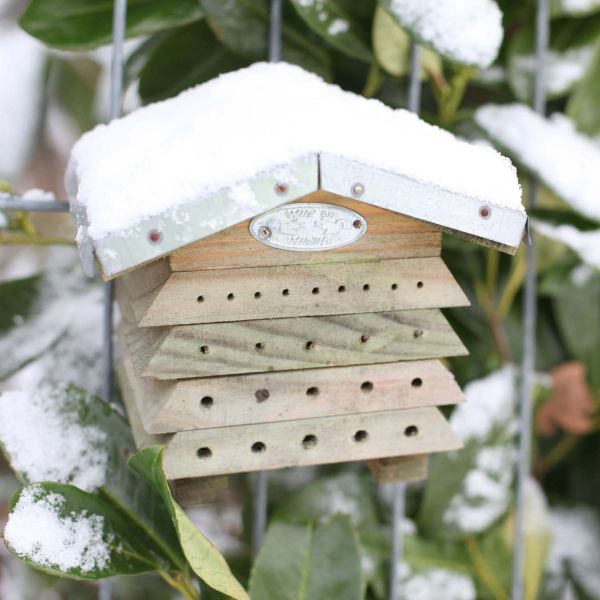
(310, 345)
(313, 391)
(286, 292)
(309, 441)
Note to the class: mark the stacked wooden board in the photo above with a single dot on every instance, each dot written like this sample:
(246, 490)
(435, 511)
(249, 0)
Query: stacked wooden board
(242, 357)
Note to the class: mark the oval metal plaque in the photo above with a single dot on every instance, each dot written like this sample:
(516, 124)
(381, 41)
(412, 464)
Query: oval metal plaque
(305, 227)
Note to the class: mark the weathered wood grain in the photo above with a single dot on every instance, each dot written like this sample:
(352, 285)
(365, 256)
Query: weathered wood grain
(288, 395)
(289, 291)
(397, 469)
(308, 442)
(256, 346)
(389, 235)
(200, 490)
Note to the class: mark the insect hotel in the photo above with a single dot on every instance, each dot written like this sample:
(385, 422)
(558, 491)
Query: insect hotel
(276, 247)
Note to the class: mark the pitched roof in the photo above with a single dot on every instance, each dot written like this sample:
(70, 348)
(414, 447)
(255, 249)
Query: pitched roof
(211, 157)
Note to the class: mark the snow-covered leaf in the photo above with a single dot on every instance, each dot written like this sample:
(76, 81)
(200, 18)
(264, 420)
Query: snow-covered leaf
(335, 21)
(304, 562)
(583, 103)
(391, 45)
(347, 494)
(468, 490)
(204, 559)
(468, 32)
(65, 531)
(565, 161)
(84, 24)
(576, 8)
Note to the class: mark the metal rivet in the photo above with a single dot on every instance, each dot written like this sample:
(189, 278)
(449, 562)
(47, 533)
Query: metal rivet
(357, 224)
(358, 189)
(264, 232)
(485, 212)
(281, 188)
(155, 236)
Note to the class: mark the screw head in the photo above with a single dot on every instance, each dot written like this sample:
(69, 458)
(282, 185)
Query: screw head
(264, 232)
(358, 189)
(485, 212)
(154, 236)
(281, 189)
(357, 224)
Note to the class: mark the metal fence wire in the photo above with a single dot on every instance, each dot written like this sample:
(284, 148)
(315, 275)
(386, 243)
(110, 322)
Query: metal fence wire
(260, 491)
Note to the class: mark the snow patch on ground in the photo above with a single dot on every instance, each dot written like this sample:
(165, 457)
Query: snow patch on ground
(469, 31)
(37, 530)
(244, 123)
(45, 440)
(585, 243)
(566, 161)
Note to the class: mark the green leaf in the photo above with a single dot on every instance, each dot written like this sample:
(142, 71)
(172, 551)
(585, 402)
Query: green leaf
(17, 300)
(242, 26)
(89, 418)
(301, 562)
(563, 217)
(392, 47)
(66, 516)
(335, 22)
(85, 24)
(583, 103)
(348, 493)
(182, 58)
(204, 559)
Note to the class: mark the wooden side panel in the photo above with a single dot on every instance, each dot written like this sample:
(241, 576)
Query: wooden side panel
(292, 291)
(288, 344)
(200, 490)
(289, 395)
(389, 235)
(308, 442)
(399, 468)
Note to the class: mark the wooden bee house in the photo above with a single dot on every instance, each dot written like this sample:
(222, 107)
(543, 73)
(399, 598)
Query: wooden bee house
(286, 311)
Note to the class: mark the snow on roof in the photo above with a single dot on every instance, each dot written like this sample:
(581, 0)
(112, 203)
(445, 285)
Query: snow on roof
(469, 31)
(232, 128)
(566, 161)
(46, 442)
(38, 531)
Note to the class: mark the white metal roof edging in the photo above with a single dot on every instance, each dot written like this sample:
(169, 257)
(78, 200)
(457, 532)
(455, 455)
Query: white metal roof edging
(422, 201)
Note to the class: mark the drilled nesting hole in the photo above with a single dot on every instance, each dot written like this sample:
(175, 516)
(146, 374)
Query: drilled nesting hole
(312, 391)
(204, 452)
(259, 346)
(394, 286)
(230, 297)
(200, 299)
(315, 290)
(342, 289)
(257, 295)
(207, 402)
(411, 431)
(364, 338)
(361, 436)
(258, 447)
(204, 349)
(285, 292)
(416, 382)
(310, 345)
(366, 386)
(420, 284)
(309, 441)
(366, 287)
(261, 395)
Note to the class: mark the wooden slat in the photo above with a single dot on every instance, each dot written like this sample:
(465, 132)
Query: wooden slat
(308, 442)
(397, 469)
(200, 490)
(289, 291)
(287, 344)
(289, 395)
(389, 235)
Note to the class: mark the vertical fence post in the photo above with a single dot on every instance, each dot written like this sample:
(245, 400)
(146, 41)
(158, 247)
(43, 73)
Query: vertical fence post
(114, 111)
(529, 324)
(399, 489)
(260, 478)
